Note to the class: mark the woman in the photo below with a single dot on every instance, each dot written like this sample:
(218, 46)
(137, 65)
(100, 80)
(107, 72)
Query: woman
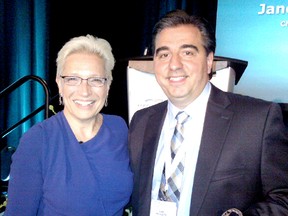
(76, 162)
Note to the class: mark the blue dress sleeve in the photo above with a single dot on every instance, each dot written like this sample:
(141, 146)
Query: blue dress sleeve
(25, 183)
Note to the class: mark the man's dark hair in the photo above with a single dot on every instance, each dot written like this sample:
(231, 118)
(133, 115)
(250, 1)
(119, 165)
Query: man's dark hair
(179, 17)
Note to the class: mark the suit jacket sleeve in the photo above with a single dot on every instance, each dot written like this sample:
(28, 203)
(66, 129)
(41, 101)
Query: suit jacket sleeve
(274, 167)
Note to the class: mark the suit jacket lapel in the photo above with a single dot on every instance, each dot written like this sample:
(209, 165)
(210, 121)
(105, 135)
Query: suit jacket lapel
(215, 128)
(150, 143)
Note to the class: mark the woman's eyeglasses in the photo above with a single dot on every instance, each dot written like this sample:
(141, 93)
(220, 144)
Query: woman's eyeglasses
(92, 81)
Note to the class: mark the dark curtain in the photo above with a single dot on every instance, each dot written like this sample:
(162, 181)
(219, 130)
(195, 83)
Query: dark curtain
(23, 51)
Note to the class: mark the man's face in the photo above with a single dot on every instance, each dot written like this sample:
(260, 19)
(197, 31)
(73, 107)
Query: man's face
(181, 65)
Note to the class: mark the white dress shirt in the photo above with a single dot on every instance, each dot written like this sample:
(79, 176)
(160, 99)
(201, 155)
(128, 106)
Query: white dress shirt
(190, 148)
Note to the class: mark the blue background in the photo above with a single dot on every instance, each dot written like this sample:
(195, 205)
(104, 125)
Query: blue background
(242, 33)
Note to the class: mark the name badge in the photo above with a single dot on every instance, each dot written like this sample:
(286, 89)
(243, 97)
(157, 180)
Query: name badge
(163, 208)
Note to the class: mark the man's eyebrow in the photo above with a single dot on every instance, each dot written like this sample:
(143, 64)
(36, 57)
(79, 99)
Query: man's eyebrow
(161, 49)
(182, 47)
(190, 46)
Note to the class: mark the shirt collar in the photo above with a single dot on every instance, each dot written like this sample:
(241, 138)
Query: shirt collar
(198, 104)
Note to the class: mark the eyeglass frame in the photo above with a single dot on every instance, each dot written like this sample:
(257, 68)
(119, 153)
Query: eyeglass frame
(102, 79)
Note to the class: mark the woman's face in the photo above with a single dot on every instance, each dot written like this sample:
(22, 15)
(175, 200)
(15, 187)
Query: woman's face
(83, 102)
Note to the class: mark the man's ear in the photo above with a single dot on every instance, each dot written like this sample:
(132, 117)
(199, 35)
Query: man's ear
(210, 59)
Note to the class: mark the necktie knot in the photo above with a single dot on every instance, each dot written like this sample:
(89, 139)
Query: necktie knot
(181, 117)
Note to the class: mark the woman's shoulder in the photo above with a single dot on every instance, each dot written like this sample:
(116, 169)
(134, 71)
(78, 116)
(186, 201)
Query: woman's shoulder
(114, 120)
(51, 123)
(112, 117)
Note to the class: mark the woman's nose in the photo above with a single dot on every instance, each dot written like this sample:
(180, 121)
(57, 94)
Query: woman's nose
(85, 87)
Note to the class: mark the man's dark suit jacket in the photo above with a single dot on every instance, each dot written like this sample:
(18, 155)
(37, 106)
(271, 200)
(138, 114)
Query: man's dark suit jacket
(242, 162)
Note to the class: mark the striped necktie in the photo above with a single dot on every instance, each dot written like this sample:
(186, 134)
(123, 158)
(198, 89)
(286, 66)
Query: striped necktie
(173, 189)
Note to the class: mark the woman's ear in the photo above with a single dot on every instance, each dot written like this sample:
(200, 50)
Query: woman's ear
(59, 84)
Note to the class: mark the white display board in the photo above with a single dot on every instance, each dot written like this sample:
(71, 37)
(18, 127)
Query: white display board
(224, 79)
(143, 90)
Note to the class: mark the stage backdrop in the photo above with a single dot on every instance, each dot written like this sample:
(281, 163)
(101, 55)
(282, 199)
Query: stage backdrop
(256, 31)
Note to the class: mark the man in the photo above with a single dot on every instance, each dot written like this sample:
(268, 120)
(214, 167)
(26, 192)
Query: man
(234, 149)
